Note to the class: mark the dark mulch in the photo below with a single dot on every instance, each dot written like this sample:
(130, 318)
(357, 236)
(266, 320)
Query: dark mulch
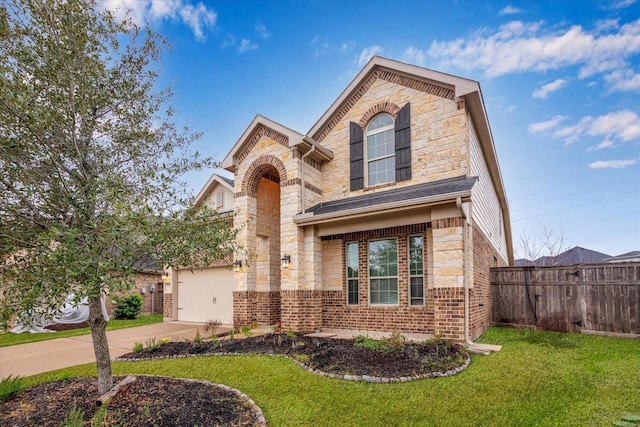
(148, 401)
(335, 356)
(67, 326)
(170, 402)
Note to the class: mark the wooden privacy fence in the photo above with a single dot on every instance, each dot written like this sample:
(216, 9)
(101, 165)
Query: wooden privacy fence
(601, 298)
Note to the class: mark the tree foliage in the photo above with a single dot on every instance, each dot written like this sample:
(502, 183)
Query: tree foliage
(90, 158)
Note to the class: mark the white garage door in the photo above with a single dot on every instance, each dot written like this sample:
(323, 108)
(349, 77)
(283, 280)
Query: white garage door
(205, 294)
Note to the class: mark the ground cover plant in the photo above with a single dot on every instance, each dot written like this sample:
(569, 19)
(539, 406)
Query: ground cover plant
(7, 338)
(539, 378)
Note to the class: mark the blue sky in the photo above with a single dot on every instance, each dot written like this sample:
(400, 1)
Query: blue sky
(560, 80)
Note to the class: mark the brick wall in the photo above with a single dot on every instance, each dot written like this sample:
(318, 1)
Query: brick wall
(267, 308)
(143, 280)
(301, 310)
(244, 308)
(484, 258)
(167, 305)
(401, 318)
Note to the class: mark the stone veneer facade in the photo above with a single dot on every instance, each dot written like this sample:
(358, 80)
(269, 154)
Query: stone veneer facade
(270, 169)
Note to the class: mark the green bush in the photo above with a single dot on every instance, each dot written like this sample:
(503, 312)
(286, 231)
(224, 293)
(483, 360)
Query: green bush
(128, 307)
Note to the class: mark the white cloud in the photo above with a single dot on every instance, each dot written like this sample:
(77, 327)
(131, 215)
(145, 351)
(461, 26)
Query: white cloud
(509, 10)
(368, 53)
(229, 40)
(548, 88)
(415, 55)
(607, 143)
(246, 45)
(198, 18)
(621, 4)
(519, 47)
(262, 31)
(623, 80)
(617, 164)
(546, 125)
(322, 47)
(618, 126)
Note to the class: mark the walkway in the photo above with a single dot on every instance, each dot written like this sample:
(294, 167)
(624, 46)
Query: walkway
(44, 356)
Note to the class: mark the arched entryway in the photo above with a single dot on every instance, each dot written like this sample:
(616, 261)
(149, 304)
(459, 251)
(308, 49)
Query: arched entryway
(262, 182)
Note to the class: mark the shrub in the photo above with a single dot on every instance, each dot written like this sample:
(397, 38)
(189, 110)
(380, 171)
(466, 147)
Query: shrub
(210, 328)
(74, 419)
(366, 342)
(153, 344)
(137, 347)
(396, 341)
(128, 307)
(246, 331)
(9, 387)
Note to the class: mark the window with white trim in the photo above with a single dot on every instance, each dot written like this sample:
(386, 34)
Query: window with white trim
(416, 270)
(353, 283)
(383, 272)
(380, 150)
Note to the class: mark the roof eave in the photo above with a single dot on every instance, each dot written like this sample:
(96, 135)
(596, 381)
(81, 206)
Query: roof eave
(206, 189)
(404, 205)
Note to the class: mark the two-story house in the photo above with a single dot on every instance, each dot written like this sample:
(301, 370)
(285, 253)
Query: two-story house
(385, 216)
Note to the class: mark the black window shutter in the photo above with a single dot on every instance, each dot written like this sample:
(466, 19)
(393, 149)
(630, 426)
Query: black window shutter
(356, 157)
(403, 143)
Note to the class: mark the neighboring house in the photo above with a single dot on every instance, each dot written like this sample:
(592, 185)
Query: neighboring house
(633, 256)
(205, 294)
(386, 216)
(575, 255)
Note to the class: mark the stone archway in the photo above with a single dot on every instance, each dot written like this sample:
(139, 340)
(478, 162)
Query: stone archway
(262, 181)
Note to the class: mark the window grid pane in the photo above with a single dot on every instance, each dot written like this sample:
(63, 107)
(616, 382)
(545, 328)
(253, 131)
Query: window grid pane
(383, 272)
(416, 270)
(380, 141)
(353, 293)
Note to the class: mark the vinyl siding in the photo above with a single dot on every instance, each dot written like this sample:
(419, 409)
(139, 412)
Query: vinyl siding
(487, 214)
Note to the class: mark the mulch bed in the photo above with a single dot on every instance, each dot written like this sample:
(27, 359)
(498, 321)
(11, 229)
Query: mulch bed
(165, 401)
(330, 355)
(148, 401)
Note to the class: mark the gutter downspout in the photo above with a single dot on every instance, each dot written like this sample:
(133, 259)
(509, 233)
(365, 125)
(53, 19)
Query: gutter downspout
(303, 193)
(470, 345)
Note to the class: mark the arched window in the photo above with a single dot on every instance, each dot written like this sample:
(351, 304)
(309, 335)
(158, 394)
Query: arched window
(380, 149)
(381, 152)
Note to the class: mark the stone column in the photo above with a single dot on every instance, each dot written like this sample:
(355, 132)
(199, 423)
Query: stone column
(447, 294)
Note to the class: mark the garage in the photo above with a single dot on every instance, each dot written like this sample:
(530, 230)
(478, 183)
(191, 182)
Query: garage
(205, 294)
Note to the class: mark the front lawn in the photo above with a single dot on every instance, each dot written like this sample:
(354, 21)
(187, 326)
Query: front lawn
(538, 379)
(8, 338)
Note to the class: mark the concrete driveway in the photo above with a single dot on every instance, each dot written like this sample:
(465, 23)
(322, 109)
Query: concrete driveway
(44, 356)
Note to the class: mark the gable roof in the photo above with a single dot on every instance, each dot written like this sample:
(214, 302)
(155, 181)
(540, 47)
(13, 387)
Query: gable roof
(410, 197)
(211, 184)
(261, 126)
(435, 82)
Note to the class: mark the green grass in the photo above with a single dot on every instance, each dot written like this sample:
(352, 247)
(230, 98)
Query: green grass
(538, 379)
(7, 338)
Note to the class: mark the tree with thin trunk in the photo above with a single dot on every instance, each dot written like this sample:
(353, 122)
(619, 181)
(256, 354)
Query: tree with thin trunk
(90, 161)
(543, 248)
